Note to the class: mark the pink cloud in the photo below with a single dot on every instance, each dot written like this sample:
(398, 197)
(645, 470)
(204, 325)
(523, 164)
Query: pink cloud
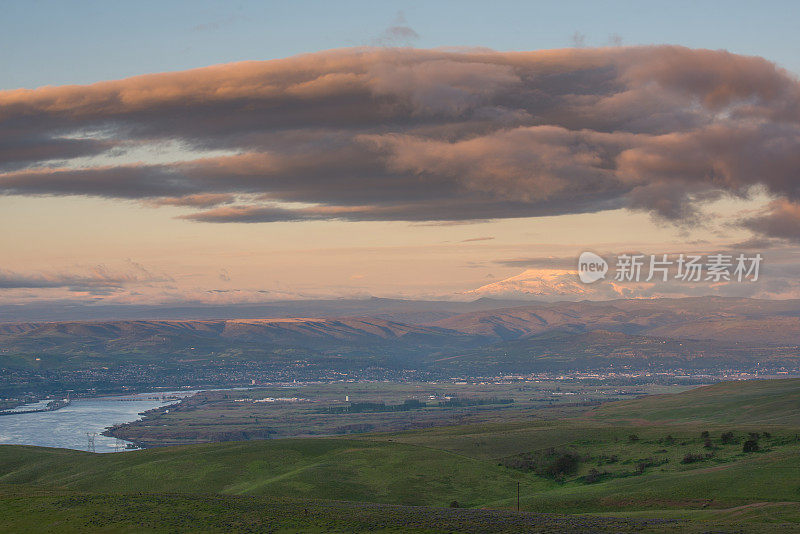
(434, 135)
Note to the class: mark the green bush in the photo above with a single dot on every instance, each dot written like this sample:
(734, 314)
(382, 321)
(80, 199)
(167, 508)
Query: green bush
(595, 476)
(690, 458)
(550, 463)
(750, 445)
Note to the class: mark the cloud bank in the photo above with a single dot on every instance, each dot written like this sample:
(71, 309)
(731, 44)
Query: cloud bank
(97, 281)
(424, 135)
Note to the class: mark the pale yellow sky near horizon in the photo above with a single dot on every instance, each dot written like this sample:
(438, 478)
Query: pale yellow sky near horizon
(72, 235)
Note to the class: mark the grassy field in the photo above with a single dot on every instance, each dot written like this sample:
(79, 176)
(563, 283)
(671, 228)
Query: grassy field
(27, 510)
(327, 469)
(761, 402)
(677, 457)
(306, 410)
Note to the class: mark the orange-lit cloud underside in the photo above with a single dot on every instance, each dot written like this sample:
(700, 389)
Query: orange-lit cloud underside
(421, 135)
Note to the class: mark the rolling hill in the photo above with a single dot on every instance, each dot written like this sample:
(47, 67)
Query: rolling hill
(121, 340)
(706, 318)
(705, 331)
(752, 402)
(636, 467)
(285, 331)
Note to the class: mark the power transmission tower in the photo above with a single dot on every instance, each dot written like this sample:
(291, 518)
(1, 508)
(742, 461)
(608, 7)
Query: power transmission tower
(90, 441)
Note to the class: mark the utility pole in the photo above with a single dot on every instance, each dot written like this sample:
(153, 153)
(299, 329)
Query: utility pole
(517, 496)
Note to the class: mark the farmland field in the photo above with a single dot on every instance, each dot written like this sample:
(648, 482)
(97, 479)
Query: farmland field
(348, 408)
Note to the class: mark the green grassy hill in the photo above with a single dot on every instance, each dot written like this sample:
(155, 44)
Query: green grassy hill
(317, 468)
(27, 510)
(620, 459)
(762, 402)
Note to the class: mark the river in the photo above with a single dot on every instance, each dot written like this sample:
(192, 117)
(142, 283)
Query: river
(67, 427)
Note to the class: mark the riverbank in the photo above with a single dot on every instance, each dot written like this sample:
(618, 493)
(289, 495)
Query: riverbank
(81, 424)
(51, 406)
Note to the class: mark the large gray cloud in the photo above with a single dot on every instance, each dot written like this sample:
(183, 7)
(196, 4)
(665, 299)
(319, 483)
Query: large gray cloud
(404, 134)
(780, 219)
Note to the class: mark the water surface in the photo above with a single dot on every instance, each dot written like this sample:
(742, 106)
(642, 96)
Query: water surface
(68, 427)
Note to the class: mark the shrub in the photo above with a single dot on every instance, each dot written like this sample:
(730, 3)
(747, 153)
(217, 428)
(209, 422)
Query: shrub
(454, 504)
(549, 462)
(690, 458)
(644, 463)
(595, 476)
(750, 445)
(603, 459)
(633, 438)
(563, 464)
(704, 434)
(728, 438)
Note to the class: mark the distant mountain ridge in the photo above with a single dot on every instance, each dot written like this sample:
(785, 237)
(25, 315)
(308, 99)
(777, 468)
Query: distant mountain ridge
(706, 318)
(711, 318)
(386, 308)
(704, 329)
(283, 332)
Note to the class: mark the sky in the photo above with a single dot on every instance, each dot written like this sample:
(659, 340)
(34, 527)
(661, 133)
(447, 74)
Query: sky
(225, 152)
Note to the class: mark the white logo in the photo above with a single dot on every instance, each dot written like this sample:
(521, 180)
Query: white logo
(591, 267)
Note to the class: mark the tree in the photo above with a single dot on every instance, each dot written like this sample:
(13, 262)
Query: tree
(750, 445)
(564, 464)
